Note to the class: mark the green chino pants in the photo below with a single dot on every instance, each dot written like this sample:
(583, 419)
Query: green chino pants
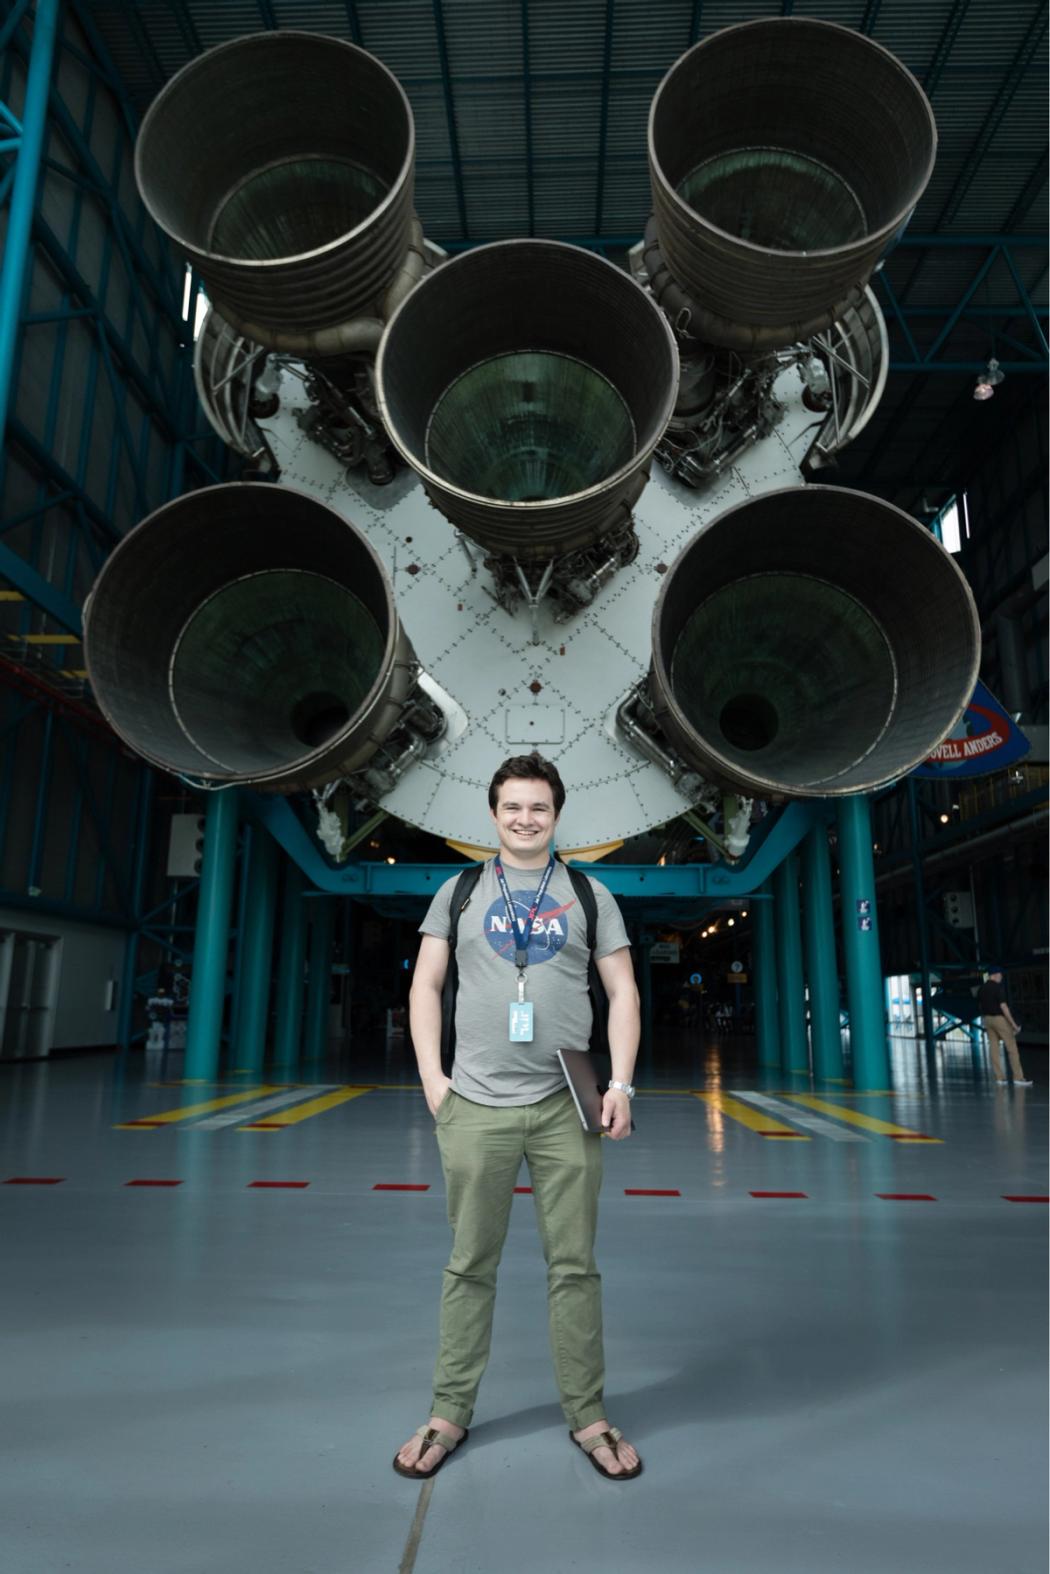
(481, 1152)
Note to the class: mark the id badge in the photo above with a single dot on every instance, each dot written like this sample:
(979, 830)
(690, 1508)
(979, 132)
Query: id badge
(520, 1021)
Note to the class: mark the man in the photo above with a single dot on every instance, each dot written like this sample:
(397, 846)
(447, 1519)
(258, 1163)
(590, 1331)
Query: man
(521, 942)
(998, 1022)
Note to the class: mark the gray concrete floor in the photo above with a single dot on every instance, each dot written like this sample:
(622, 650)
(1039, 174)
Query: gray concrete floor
(215, 1376)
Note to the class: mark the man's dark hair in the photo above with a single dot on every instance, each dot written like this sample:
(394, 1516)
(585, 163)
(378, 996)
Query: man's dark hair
(528, 767)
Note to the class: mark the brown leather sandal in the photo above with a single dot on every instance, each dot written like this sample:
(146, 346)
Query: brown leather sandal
(606, 1440)
(430, 1435)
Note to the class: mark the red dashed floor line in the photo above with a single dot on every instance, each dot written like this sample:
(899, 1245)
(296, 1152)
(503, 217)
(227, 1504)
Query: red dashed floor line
(629, 1191)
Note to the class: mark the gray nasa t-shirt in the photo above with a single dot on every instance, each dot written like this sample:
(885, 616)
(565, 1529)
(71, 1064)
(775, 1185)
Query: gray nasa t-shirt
(488, 1068)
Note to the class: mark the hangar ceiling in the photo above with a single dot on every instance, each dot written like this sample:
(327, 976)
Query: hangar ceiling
(531, 120)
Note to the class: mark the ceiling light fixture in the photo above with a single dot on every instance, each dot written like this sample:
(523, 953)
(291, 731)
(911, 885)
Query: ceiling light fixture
(988, 381)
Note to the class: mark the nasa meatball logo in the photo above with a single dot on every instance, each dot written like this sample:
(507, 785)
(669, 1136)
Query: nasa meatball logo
(550, 927)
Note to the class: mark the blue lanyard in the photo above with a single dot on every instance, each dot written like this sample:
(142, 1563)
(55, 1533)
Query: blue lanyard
(522, 931)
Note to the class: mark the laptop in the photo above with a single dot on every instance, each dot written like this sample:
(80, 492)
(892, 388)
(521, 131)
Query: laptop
(588, 1078)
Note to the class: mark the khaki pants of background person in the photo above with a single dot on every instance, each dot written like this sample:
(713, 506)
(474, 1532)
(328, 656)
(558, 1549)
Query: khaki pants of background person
(481, 1152)
(998, 1028)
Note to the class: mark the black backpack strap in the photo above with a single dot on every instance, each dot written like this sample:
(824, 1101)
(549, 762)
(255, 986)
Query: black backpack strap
(461, 894)
(581, 884)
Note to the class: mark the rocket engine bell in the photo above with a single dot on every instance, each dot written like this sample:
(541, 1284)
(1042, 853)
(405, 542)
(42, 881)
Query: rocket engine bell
(811, 642)
(528, 382)
(282, 164)
(785, 156)
(247, 633)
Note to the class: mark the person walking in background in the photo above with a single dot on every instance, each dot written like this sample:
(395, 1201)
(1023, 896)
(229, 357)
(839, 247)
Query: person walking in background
(998, 1022)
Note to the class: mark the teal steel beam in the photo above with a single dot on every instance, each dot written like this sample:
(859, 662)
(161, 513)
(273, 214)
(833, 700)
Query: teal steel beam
(970, 291)
(53, 908)
(1026, 52)
(969, 368)
(920, 908)
(107, 858)
(944, 46)
(860, 943)
(450, 113)
(256, 951)
(23, 194)
(238, 950)
(43, 784)
(7, 31)
(526, 88)
(603, 118)
(1026, 299)
(353, 21)
(288, 1025)
(211, 940)
(787, 827)
(1029, 192)
(143, 812)
(36, 589)
(821, 967)
(318, 987)
(767, 1028)
(794, 1050)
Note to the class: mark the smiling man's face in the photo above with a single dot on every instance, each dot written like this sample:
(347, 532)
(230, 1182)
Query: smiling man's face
(525, 820)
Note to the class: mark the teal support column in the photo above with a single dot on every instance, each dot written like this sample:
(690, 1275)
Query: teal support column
(288, 1030)
(211, 940)
(126, 1011)
(256, 951)
(794, 1050)
(818, 925)
(767, 1027)
(318, 988)
(238, 950)
(32, 139)
(860, 943)
(922, 922)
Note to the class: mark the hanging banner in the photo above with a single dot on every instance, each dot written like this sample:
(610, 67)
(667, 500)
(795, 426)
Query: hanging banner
(984, 739)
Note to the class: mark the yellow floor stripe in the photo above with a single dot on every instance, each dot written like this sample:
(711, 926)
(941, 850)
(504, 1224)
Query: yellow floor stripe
(289, 1117)
(748, 1115)
(168, 1116)
(885, 1128)
(46, 639)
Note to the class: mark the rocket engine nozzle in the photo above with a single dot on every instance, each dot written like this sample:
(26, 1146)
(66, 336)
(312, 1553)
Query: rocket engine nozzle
(785, 156)
(282, 164)
(527, 383)
(247, 633)
(812, 642)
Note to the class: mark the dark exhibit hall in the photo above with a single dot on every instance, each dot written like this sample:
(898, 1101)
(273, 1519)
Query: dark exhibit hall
(524, 776)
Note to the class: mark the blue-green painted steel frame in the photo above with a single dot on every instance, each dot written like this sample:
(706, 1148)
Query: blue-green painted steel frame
(30, 144)
(315, 1030)
(255, 951)
(165, 396)
(211, 939)
(288, 1021)
(786, 828)
(860, 943)
(794, 1047)
(822, 978)
(767, 1023)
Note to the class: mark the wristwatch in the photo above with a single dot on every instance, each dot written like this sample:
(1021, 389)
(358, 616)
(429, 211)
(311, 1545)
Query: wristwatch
(624, 1087)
